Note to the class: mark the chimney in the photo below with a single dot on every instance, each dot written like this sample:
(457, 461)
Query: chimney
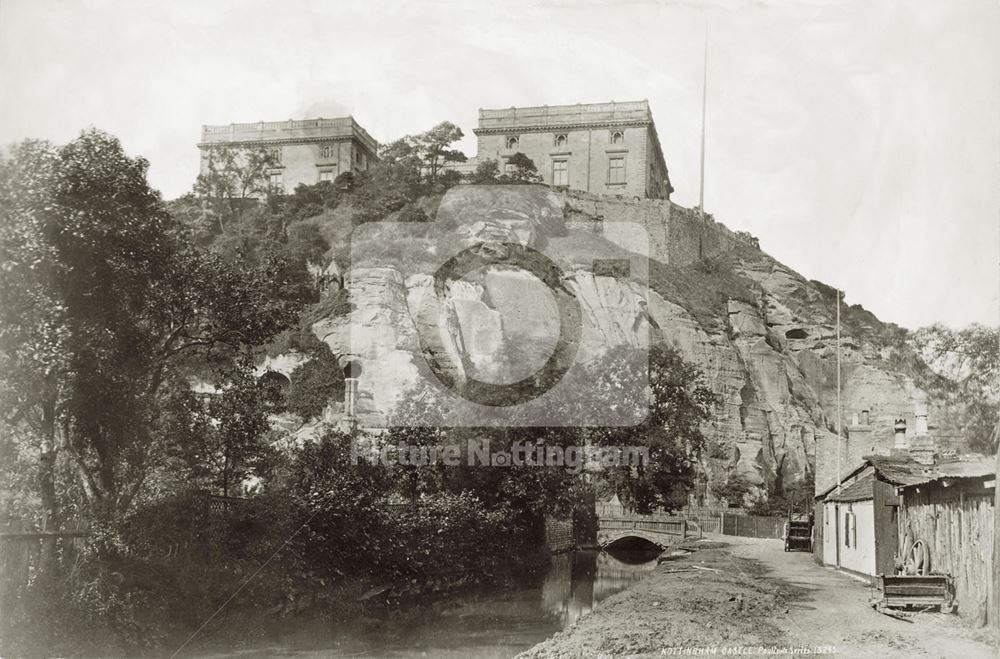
(900, 429)
(920, 425)
(922, 449)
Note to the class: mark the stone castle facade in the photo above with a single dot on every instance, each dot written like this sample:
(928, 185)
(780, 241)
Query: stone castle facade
(602, 148)
(305, 151)
(606, 149)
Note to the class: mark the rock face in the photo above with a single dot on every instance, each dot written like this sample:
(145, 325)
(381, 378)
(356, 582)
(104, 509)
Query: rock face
(768, 350)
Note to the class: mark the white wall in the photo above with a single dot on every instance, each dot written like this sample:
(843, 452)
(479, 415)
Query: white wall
(860, 558)
(830, 534)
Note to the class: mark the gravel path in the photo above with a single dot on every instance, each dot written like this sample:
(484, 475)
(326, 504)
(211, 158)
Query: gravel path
(747, 597)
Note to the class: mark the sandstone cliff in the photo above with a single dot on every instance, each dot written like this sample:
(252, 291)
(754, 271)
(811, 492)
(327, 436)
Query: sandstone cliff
(763, 335)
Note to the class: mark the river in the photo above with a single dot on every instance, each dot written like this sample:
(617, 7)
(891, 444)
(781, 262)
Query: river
(480, 624)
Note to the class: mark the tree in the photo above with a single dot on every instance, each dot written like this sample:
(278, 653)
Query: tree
(242, 410)
(316, 382)
(433, 148)
(678, 403)
(103, 303)
(487, 172)
(968, 363)
(389, 184)
(733, 489)
(234, 176)
(521, 170)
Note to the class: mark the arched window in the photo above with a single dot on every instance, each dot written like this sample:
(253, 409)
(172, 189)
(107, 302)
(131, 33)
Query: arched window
(560, 140)
(512, 142)
(617, 137)
(325, 152)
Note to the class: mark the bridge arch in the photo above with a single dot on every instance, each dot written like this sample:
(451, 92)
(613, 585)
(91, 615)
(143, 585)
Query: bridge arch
(652, 538)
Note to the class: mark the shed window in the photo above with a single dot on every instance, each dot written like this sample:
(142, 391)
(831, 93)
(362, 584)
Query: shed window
(850, 529)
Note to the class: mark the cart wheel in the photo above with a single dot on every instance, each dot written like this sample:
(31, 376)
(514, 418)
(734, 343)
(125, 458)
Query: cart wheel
(917, 561)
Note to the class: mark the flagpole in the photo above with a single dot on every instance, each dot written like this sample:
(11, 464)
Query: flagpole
(839, 414)
(995, 612)
(704, 103)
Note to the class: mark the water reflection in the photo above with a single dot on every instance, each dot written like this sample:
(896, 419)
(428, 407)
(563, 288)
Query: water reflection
(487, 624)
(577, 582)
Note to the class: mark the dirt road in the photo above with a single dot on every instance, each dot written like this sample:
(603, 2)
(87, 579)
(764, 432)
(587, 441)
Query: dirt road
(748, 597)
(833, 610)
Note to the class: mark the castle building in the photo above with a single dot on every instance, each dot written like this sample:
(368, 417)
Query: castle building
(305, 151)
(603, 148)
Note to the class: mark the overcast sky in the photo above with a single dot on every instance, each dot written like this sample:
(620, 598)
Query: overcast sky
(860, 141)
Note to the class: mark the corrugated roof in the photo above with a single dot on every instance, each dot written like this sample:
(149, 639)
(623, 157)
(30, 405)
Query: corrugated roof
(969, 468)
(906, 472)
(859, 490)
(901, 471)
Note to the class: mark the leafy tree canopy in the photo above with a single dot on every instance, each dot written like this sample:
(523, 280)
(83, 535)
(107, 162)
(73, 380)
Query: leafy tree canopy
(104, 301)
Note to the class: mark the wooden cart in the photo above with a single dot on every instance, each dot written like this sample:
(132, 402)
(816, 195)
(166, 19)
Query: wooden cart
(910, 590)
(799, 536)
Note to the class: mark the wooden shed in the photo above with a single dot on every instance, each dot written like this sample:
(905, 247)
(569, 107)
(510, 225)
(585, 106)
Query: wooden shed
(951, 510)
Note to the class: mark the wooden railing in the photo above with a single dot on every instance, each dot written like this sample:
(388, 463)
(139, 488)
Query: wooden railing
(668, 524)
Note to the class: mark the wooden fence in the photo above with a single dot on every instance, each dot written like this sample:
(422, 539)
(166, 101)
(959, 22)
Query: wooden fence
(24, 553)
(752, 526)
(729, 521)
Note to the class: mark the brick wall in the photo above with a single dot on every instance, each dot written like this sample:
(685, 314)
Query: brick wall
(559, 535)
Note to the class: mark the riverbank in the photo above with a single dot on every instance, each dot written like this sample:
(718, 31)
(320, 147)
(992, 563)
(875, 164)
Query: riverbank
(706, 598)
(748, 593)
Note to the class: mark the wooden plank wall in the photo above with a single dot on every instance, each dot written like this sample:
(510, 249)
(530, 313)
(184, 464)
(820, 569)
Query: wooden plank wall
(958, 524)
(885, 503)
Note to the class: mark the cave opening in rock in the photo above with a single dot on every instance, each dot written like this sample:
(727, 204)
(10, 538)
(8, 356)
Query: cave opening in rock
(797, 333)
(279, 379)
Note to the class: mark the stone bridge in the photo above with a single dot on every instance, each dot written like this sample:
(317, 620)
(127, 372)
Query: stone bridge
(658, 529)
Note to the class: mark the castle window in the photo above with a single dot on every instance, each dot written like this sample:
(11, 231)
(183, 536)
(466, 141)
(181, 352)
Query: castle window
(326, 151)
(617, 137)
(508, 169)
(560, 172)
(275, 155)
(616, 170)
(274, 180)
(512, 142)
(560, 140)
(328, 175)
